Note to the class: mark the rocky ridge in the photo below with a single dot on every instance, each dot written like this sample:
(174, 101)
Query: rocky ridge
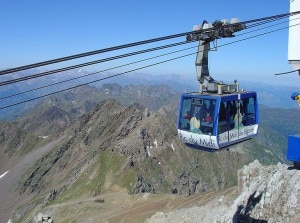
(264, 194)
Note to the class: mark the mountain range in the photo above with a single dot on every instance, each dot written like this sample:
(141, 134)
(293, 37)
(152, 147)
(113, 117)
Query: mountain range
(268, 95)
(92, 141)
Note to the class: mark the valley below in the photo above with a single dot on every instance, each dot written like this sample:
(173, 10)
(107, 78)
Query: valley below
(117, 207)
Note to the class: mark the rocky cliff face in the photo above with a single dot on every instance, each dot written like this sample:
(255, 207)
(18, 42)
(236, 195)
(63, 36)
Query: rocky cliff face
(264, 194)
(269, 193)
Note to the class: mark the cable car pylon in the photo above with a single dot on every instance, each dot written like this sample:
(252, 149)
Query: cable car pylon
(293, 151)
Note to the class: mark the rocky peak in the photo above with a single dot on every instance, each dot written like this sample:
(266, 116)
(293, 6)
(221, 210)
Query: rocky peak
(107, 122)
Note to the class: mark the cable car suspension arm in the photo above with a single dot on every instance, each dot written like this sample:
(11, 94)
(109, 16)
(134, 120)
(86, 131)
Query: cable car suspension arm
(205, 34)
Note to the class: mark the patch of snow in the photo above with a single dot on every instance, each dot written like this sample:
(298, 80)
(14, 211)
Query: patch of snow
(155, 143)
(4, 174)
(172, 147)
(148, 152)
(44, 137)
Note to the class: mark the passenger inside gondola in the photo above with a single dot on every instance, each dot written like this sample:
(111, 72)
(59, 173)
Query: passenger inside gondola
(207, 117)
(195, 121)
(198, 115)
(207, 124)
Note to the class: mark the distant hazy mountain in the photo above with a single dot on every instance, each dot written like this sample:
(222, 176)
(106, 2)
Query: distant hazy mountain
(272, 96)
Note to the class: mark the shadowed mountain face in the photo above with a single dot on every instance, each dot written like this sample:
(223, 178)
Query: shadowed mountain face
(15, 141)
(45, 122)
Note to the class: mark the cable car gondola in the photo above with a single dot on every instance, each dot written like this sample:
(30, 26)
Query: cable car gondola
(212, 122)
(219, 115)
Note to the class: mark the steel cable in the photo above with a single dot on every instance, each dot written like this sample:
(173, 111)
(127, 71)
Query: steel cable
(76, 56)
(143, 67)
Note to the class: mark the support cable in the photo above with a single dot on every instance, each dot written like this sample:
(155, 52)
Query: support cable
(76, 56)
(265, 27)
(139, 68)
(71, 79)
(105, 60)
(3, 83)
(97, 72)
(289, 72)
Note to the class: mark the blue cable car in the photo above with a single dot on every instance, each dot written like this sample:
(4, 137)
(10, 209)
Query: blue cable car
(219, 115)
(212, 122)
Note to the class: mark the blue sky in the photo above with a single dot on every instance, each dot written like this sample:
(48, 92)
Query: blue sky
(38, 30)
